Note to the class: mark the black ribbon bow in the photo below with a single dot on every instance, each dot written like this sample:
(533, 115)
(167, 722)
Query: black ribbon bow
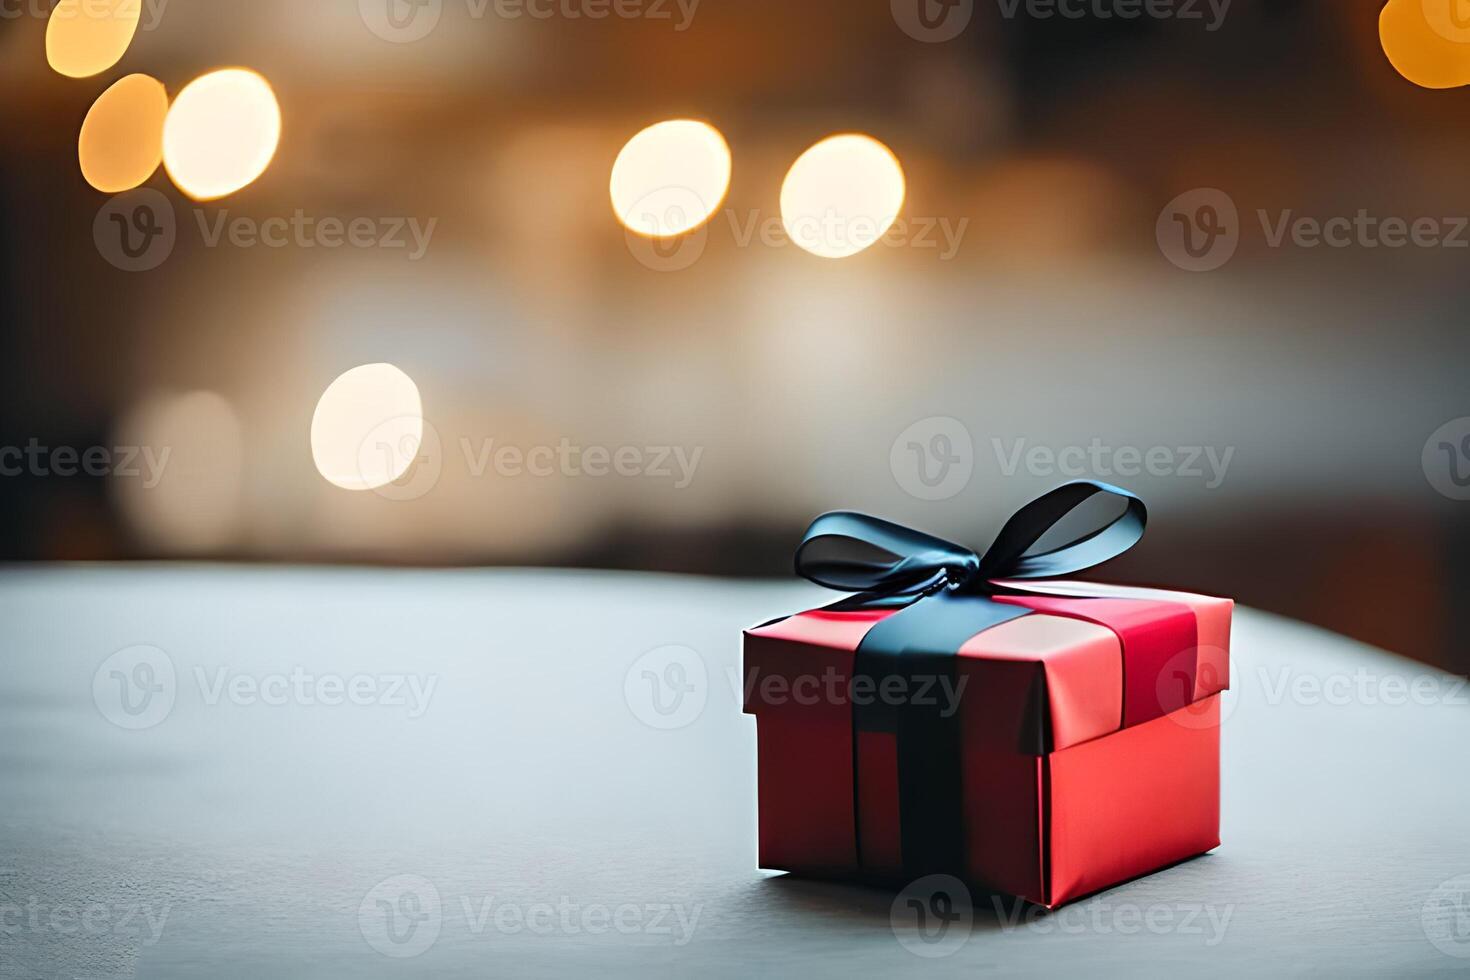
(944, 591)
(857, 553)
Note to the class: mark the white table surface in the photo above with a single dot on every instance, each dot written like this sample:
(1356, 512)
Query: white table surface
(245, 839)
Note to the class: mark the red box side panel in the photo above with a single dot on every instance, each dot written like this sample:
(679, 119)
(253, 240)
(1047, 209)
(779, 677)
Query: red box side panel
(805, 787)
(1003, 844)
(804, 756)
(1136, 801)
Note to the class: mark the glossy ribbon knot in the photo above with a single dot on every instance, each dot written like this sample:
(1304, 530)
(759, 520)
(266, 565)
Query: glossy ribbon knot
(854, 552)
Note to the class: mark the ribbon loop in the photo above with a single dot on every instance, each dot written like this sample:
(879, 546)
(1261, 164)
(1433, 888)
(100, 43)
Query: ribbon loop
(857, 553)
(1009, 556)
(854, 552)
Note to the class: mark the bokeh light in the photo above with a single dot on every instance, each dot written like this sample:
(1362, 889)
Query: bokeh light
(221, 133)
(842, 195)
(368, 427)
(178, 471)
(121, 143)
(84, 37)
(669, 178)
(1425, 42)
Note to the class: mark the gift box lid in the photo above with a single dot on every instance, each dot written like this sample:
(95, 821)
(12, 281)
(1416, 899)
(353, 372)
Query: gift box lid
(1038, 665)
(1084, 661)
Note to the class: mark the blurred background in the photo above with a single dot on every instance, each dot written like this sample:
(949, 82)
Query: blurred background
(1291, 403)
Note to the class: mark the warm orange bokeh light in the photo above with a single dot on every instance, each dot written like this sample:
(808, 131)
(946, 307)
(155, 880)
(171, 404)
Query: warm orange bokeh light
(221, 133)
(669, 178)
(842, 195)
(84, 37)
(1427, 41)
(368, 427)
(121, 143)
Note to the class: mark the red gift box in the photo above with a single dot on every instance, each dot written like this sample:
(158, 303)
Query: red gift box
(1085, 730)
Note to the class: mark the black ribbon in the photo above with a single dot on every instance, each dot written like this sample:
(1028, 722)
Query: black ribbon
(945, 593)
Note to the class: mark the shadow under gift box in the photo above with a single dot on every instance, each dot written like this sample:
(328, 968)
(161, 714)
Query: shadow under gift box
(1081, 768)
